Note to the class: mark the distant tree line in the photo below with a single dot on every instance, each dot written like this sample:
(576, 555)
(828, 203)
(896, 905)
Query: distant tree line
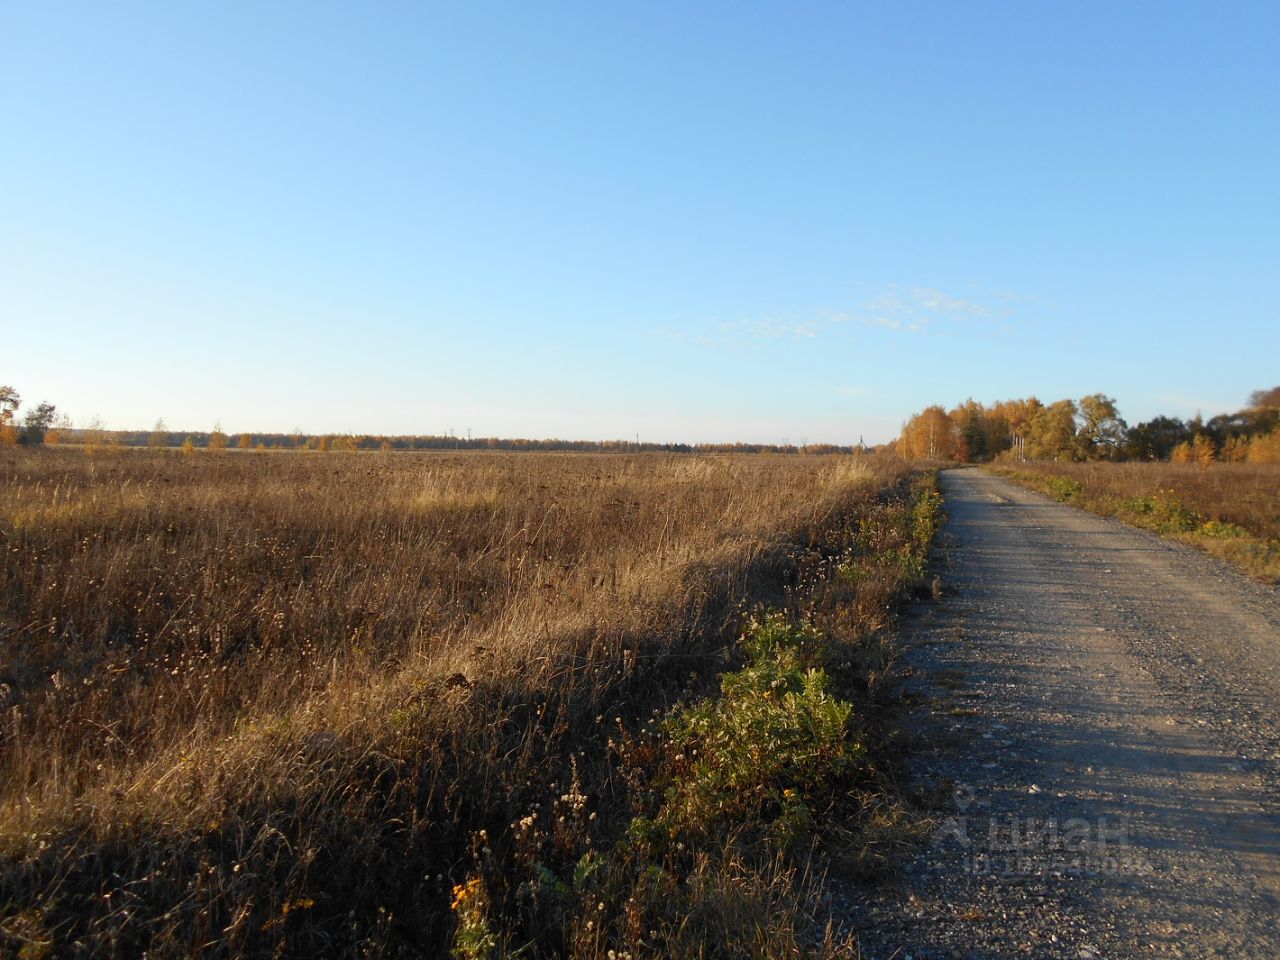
(42, 425)
(1090, 428)
(328, 441)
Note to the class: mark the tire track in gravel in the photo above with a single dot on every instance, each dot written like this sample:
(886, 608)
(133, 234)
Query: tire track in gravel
(1103, 709)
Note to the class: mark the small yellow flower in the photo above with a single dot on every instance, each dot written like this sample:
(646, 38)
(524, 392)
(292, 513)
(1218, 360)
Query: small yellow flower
(464, 892)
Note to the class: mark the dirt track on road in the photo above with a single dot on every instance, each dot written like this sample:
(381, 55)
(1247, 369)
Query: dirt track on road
(1103, 708)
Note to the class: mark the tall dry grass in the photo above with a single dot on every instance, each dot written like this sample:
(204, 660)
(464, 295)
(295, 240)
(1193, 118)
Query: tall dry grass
(1229, 509)
(1245, 494)
(264, 703)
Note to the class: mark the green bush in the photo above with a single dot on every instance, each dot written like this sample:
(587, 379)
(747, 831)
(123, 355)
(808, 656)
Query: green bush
(1065, 489)
(1221, 528)
(776, 747)
(1163, 513)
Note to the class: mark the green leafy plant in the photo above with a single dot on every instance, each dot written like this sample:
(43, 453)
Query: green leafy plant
(777, 744)
(475, 939)
(1221, 528)
(1162, 512)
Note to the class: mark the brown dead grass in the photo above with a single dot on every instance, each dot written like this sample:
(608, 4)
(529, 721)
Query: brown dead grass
(1236, 506)
(262, 703)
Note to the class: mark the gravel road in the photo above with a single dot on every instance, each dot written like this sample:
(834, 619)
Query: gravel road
(1100, 711)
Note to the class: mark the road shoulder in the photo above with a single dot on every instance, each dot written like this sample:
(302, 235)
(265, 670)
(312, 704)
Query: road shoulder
(1085, 809)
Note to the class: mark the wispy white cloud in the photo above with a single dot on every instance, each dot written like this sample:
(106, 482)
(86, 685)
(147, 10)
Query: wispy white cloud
(938, 301)
(889, 302)
(903, 309)
(770, 328)
(918, 309)
(889, 323)
(668, 331)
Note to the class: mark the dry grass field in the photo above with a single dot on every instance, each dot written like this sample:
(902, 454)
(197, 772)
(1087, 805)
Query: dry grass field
(1229, 509)
(293, 704)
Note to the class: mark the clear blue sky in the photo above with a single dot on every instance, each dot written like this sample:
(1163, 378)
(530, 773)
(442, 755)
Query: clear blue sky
(688, 221)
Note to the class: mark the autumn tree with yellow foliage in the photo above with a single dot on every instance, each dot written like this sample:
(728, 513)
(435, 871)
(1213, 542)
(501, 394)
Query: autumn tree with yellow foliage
(929, 435)
(1091, 429)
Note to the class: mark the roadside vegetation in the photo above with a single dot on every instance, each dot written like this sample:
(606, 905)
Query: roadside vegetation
(1230, 510)
(399, 705)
